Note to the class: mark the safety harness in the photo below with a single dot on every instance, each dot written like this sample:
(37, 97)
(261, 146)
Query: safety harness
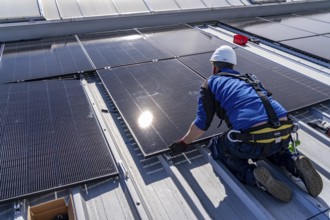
(275, 131)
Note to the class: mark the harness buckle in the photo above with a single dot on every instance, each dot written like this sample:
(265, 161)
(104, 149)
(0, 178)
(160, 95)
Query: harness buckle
(230, 138)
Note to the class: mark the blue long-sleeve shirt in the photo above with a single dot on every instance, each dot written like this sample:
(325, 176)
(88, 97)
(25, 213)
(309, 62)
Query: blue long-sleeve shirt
(232, 100)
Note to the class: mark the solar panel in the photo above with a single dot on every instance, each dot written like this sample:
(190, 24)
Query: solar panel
(285, 84)
(271, 30)
(130, 6)
(42, 58)
(69, 8)
(318, 45)
(157, 101)
(182, 40)
(306, 24)
(49, 139)
(120, 48)
(319, 16)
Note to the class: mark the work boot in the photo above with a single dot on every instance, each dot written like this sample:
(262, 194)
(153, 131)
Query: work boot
(309, 176)
(267, 182)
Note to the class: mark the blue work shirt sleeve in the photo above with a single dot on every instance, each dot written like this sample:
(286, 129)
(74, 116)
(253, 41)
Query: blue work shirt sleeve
(205, 108)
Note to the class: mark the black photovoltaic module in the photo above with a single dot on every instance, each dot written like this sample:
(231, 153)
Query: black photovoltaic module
(42, 58)
(157, 100)
(49, 139)
(182, 40)
(285, 84)
(118, 48)
(167, 91)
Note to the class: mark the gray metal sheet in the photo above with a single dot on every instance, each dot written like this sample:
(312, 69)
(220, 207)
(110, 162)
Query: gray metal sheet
(182, 40)
(235, 2)
(120, 48)
(18, 9)
(305, 24)
(49, 139)
(285, 84)
(190, 4)
(271, 30)
(318, 45)
(216, 3)
(69, 9)
(42, 58)
(160, 5)
(157, 101)
(97, 8)
(130, 6)
(50, 9)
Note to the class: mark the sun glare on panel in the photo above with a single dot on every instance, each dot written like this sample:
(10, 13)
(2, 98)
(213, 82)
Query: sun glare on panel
(145, 119)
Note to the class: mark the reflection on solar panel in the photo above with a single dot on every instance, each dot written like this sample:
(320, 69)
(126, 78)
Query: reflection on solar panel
(318, 45)
(285, 84)
(120, 48)
(306, 24)
(49, 139)
(157, 100)
(48, 57)
(182, 40)
(271, 30)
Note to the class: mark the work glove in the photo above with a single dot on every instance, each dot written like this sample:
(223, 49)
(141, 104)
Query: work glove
(178, 146)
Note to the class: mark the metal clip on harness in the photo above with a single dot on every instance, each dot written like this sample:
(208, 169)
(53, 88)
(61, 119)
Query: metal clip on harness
(230, 138)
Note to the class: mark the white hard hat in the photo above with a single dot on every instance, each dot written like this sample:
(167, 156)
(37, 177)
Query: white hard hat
(224, 54)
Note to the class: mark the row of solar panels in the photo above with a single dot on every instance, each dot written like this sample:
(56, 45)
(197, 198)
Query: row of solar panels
(308, 32)
(49, 130)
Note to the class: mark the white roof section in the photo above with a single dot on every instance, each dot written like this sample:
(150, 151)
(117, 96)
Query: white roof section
(130, 6)
(193, 185)
(19, 9)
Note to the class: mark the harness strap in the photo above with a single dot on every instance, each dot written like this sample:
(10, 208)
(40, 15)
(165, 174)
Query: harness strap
(265, 135)
(257, 86)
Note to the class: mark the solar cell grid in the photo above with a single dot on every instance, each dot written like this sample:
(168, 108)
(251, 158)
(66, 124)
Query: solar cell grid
(167, 91)
(42, 58)
(45, 150)
(120, 48)
(157, 100)
(286, 86)
(302, 23)
(182, 40)
(267, 29)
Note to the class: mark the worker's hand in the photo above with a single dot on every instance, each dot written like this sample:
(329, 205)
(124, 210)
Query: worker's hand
(178, 147)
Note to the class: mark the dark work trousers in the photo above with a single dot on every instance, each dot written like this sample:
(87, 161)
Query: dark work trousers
(235, 155)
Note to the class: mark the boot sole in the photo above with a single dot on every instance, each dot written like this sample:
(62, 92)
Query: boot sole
(274, 187)
(309, 176)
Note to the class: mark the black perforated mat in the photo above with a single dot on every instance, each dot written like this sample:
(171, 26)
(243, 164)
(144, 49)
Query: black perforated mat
(49, 139)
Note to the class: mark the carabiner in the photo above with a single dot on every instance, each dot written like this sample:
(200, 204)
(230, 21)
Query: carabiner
(233, 131)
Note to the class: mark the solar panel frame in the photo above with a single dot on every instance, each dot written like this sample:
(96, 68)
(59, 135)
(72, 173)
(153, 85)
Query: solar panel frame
(59, 145)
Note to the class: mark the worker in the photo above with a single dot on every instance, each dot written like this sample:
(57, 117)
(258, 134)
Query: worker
(258, 128)
(320, 126)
